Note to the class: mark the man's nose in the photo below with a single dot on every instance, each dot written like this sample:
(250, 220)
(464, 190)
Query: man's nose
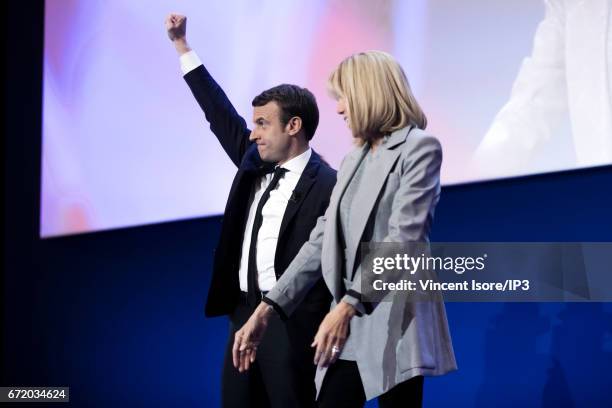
(253, 136)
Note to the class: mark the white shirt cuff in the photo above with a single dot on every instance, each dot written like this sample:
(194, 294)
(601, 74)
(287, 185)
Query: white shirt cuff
(189, 61)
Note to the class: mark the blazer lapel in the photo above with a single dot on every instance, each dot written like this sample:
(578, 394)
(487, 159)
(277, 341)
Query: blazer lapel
(351, 164)
(366, 198)
(331, 247)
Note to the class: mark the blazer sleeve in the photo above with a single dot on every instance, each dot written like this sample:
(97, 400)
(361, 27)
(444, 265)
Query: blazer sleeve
(301, 275)
(305, 269)
(411, 212)
(226, 124)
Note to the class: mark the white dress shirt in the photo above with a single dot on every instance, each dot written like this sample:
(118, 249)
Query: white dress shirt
(189, 61)
(272, 215)
(272, 212)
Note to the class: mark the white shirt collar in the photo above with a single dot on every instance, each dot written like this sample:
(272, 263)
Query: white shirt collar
(298, 163)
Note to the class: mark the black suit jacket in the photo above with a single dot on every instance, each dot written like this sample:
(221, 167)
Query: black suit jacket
(309, 200)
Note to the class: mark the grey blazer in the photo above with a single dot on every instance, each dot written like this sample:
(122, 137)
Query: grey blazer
(394, 340)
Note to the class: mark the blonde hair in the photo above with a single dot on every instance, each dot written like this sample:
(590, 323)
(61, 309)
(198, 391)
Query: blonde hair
(378, 96)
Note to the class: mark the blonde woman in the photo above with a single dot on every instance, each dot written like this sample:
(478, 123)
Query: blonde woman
(387, 190)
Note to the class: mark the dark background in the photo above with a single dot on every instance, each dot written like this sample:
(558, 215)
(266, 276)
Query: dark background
(118, 315)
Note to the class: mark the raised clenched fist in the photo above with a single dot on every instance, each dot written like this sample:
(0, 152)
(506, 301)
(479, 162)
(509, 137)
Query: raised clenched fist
(176, 25)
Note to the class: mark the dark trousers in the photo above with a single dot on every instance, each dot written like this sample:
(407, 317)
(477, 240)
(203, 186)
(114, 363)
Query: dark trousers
(283, 373)
(342, 388)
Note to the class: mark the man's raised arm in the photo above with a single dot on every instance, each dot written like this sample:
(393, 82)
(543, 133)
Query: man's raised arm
(227, 125)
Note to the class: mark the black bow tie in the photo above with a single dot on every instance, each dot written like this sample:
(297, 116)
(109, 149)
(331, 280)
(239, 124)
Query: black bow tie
(266, 168)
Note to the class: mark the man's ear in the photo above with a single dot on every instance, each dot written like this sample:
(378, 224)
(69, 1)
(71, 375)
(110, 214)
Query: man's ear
(294, 125)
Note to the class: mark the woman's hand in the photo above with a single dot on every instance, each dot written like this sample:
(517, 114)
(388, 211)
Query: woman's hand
(249, 336)
(332, 334)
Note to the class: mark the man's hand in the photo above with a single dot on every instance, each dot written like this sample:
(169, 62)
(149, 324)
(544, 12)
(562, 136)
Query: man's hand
(176, 26)
(249, 336)
(332, 334)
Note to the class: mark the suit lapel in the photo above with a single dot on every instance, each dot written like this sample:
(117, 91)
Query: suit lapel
(301, 190)
(239, 197)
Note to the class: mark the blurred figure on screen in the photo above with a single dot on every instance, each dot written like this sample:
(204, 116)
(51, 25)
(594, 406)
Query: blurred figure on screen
(281, 188)
(567, 76)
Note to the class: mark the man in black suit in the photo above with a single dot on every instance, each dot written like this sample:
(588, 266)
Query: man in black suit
(282, 186)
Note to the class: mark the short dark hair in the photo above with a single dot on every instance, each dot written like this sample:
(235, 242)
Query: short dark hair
(293, 101)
